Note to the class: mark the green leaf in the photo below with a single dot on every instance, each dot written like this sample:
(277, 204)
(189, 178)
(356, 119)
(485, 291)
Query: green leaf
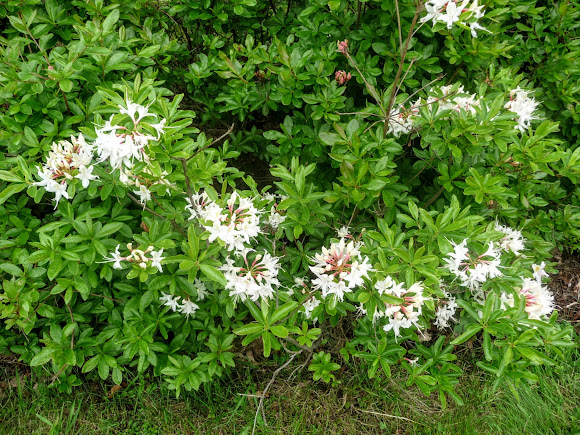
(11, 269)
(109, 229)
(279, 331)
(42, 357)
(267, 341)
(250, 328)
(10, 177)
(11, 190)
(213, 274)
(65, 85)
(470, 331)
(283, 311)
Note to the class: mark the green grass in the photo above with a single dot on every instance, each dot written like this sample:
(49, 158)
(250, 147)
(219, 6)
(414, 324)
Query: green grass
(297, 406)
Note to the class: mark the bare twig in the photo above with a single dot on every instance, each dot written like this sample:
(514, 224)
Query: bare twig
(434, 197)
(211, 144)
(386, 415)
(400, 70)
(55, 377)
(261, 403)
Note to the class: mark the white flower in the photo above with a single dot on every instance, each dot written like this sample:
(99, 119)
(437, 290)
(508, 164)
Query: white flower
(133, 108)
(523, 106)
(86, 175)
(234, 225)
(170, 301)
(159, 127)
(539, 271)
(116, 258)
(156, 259)
(403, 315)
(452, 13)
(340, 269)
(275, 218)
(65, 159)
(445, 311)
(201, 289)
(197, 208)
(342, 233)
(474, 270)
(188, 307)
(256, 280)
(401, 120)
(539, 300)
(309, 306)
(513, 240)
(144, 194)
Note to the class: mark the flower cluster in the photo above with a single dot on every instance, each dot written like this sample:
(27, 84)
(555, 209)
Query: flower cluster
(512, 241)
(115, 143)
(539, 300)
(523, 106)
(235, 224)
(143, 184)
(473, 270)
(340, 269)
(342, 77)
(67, 161)
(255, 280)
(445, 311)
(186, 307)
(450, 11)
(455, 101)
(137, 256)
(120, 145)
(404, 314)
(402, 120)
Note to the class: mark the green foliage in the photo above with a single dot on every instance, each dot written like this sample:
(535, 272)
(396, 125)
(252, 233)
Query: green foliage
(403, 140)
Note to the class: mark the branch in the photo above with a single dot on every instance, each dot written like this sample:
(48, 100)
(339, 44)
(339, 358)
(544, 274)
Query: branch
(261, 403)
(400, 70)
(175, 225)
(211, 144)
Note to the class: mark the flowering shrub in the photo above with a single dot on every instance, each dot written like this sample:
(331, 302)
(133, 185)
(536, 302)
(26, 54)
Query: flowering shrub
(409, 208)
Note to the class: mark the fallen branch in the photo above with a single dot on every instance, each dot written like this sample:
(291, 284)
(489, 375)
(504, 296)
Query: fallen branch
(261, 403)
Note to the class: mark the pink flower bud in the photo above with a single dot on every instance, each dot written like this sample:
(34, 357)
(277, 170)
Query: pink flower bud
(342, 77)
(342, 46)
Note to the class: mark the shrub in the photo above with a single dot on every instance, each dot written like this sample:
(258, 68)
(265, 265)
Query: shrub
(415, 177)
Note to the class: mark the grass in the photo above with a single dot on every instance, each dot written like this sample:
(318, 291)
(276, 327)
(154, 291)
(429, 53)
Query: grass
(299, 406)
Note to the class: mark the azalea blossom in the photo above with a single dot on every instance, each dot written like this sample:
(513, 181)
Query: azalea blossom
(539, 271)
(116, 258)
(473, 270)
(187, 307)
(523, 106)
(405, 314)
(513, 240)
(340, 269)
(170, 301)
(538, 299)
(446, 309)
(450, 11)
(236, 224)
(66, 161)
(200, 288)
(253, 280)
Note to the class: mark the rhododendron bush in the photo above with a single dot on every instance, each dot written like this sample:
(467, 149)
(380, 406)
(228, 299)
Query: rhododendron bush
(420, 172)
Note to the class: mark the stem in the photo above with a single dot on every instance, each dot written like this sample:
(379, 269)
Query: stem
(400, 70)
(261, 403)
(211, 144)
(175, 225)
(434, 197)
